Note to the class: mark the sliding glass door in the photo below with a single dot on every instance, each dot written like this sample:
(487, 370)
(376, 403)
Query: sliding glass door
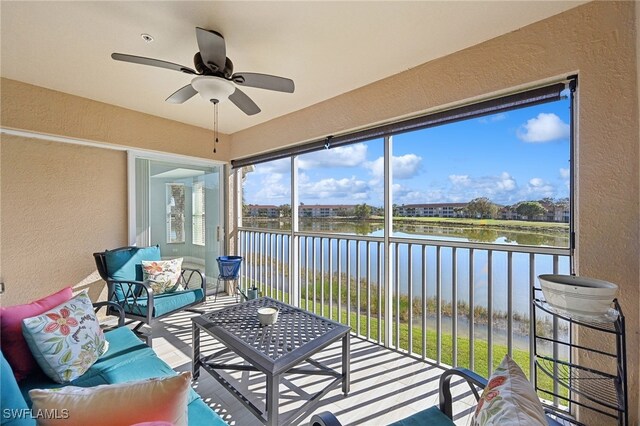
(178, 207)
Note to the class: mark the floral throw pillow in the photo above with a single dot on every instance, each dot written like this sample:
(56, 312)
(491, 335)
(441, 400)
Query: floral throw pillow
(509, 399)
(163, 275)
(66, 340)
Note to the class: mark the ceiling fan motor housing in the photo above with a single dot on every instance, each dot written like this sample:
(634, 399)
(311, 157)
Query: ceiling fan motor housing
(203, 69)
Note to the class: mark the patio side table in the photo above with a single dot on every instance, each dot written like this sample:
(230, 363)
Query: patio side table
(274, 350)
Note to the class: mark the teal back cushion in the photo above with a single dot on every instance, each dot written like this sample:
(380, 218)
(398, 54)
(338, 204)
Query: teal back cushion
(126, 265)
(12, 402)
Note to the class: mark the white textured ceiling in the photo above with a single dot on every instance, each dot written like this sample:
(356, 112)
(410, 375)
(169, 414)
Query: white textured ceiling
(327, 48)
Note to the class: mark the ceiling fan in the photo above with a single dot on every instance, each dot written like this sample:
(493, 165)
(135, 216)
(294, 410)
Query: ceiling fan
(214, 78)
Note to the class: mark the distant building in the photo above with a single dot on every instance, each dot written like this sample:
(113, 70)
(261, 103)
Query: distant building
(326, 210)
(255, 210)
(508, 213)
(554, 213)
(431, 210)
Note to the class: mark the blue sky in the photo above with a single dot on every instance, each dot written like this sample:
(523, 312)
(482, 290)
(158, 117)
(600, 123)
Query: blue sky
(508, 157)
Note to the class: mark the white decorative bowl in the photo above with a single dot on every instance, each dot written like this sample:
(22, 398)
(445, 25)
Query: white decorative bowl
(578, 296)
(267, 316)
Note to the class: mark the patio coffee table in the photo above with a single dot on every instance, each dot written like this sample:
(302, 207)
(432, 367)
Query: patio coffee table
(274, 350)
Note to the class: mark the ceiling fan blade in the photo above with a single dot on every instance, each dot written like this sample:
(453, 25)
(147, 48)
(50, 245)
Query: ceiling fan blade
(182, 95)
(242, 101)
(264, 81)
(152, 62)
(212, 49)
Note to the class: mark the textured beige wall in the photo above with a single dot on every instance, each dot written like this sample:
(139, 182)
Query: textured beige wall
(637, 18)
(597, 40)
(41, 110)
(60, 203)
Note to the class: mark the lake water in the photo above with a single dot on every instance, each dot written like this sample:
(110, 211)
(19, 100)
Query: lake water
(311, 248)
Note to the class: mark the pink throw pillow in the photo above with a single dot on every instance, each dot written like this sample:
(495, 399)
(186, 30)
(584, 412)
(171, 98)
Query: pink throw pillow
(14, 347)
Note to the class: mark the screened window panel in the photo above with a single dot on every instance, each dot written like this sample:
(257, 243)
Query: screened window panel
(198, 217)
(175, 212)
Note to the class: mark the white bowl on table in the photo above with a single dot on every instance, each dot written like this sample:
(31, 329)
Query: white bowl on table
(579, 297)
(268, 316)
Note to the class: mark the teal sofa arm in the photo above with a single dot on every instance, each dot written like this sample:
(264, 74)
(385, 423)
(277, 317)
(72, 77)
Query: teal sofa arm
(15, 411)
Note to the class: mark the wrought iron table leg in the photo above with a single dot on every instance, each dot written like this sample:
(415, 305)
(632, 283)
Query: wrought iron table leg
(195, 364)
(346, 361)
(273, 396)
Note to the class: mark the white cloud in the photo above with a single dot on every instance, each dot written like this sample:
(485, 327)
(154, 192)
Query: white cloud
(539, 188)
(460, 180)
(565, 176)
(543, 128)
(273, 186)
(342, 156)
(267, 188)
(564, 173)
(492, 118)
(405, 195)
(501, 189)
(489, 184)
(403, 167)
(351, 188)
(282, 165)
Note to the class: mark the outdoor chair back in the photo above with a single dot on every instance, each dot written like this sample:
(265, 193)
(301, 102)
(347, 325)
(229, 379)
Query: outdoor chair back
(121, 268)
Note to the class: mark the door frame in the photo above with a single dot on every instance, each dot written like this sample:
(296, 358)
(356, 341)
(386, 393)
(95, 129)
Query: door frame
(133, 154)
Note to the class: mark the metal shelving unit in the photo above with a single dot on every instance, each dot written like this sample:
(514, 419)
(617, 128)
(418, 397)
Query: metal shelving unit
(602, 389)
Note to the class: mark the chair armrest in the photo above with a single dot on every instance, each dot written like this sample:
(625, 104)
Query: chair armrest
(188, 273)
(131, 295)
(113, 305)
(324, 419)
(131, 292)
(472, 379)
(446, 401)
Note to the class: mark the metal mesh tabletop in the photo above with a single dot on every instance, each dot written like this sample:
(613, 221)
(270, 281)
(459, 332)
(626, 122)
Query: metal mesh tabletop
(295, 333)
(285, 347)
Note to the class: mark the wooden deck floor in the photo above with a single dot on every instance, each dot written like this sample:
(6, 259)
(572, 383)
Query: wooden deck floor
(385, 385)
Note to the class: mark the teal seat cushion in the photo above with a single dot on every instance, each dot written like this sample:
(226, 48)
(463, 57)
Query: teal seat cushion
(127, 359)
(431, 416)
(165, 303)
(126, 265)
(14, 406)
(124, 347)
(200, 414)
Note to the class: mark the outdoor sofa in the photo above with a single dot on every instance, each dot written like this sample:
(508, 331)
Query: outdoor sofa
(127, 359)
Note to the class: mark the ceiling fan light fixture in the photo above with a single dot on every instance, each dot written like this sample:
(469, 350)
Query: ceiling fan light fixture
(211, 87)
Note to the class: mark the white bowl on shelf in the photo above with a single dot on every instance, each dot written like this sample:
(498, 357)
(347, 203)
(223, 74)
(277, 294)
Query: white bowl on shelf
(579, 297)
(267, 316)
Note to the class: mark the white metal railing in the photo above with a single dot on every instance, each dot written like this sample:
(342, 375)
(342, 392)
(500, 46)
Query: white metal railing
(452, 303)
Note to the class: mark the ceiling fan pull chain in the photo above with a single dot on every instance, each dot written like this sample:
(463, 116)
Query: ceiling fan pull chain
(215, 123)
